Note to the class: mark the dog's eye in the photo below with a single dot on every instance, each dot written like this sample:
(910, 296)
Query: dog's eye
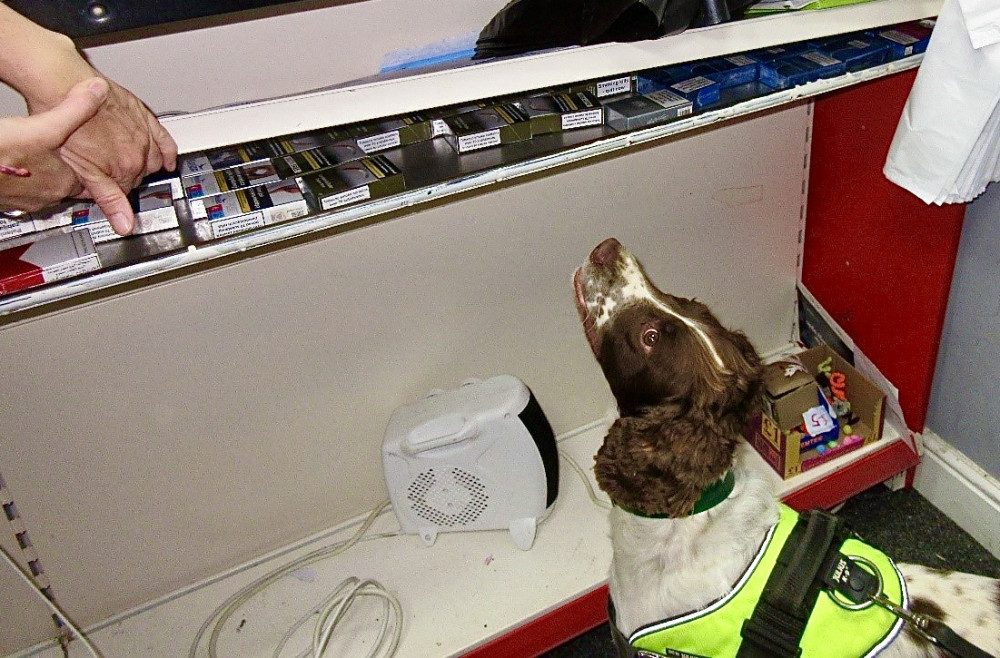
(650, 336)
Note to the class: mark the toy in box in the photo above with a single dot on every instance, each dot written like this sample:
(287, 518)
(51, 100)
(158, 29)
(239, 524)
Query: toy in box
(816, 407)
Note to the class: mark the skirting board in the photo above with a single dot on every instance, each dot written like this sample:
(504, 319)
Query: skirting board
(958, 487)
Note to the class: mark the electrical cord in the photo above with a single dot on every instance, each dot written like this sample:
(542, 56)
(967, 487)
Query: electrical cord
(221, 615)
(51, 604)
(330, 611)
(594, 498)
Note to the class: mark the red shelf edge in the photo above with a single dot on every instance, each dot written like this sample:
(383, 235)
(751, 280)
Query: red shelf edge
(855, 477)
(550, 630)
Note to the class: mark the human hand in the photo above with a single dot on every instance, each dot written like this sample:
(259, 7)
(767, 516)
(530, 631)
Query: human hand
(30, 149)
(113, 151)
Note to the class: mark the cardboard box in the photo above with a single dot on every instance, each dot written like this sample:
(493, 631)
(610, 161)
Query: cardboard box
(243, 210)
(553, 113)
(352, 182)
(788, 450)
(47, 259)
(503, 123)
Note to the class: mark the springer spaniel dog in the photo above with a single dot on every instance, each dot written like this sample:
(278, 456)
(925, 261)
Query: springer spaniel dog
(686, 387)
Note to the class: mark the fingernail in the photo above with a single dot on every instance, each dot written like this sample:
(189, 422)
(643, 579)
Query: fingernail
(121, 223)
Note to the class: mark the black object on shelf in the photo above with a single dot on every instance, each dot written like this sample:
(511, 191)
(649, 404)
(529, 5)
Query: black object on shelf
(80, 18)
(530, 25)
(714, 12)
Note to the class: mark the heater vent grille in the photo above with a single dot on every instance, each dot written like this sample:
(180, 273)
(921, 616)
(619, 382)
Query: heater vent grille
(448, 498)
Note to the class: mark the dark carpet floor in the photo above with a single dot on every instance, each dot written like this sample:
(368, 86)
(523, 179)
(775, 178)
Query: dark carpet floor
(902, 523)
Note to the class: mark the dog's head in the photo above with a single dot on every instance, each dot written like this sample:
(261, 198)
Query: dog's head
(685, 385)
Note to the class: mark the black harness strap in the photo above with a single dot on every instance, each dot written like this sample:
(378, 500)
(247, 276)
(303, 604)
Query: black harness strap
(775, 628)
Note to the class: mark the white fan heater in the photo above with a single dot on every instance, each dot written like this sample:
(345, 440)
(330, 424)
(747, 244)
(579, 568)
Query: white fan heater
(480, 457)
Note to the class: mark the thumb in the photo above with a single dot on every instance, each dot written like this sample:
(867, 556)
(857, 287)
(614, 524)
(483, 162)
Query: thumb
(112, 202)
(77, 108)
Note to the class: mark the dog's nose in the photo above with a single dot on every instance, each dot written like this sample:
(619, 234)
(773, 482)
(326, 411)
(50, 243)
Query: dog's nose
(606, 252)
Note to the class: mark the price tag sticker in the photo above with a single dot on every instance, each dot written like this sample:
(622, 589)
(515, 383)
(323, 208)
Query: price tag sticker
(817, 420)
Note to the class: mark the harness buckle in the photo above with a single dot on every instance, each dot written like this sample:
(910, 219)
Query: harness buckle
(852, 581)
(857, 592)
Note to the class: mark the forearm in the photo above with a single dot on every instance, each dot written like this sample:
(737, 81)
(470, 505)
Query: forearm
(39, 64)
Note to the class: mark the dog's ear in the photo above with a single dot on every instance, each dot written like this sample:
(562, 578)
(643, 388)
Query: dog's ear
(658, 463)
(741, 400)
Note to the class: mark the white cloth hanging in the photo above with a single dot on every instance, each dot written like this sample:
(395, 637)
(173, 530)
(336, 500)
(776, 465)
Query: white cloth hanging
(947, 145)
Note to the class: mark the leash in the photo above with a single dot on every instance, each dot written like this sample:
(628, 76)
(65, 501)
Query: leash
(862, 587)
(811, 562)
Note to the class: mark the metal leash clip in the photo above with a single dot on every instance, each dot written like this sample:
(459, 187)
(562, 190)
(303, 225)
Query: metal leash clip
(855, 584)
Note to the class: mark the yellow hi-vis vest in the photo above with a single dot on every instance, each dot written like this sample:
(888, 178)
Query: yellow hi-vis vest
(832, 631)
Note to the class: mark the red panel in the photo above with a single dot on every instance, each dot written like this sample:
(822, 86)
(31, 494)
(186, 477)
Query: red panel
(877, 258)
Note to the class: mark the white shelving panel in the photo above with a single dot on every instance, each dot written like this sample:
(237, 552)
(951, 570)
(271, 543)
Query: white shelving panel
(461, 593)
(376, 97)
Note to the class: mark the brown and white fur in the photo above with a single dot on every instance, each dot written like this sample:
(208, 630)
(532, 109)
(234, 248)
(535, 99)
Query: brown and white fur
(686, 387)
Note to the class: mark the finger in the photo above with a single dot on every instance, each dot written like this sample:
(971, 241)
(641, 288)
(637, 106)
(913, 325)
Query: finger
(154, 160)
(76, 109)
(112, 202)
(166, 143)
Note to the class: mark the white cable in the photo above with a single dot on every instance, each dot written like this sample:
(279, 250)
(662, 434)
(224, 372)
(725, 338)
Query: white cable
(56, 609)
(335, 610)
(586, 480)
(228, 608)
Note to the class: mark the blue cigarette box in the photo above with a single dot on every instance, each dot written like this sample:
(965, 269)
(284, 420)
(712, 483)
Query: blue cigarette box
(800, 69)
(858, 51)
(730, 71)
(656, 79)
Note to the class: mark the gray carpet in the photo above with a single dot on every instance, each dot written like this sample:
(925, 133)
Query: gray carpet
(902, 523)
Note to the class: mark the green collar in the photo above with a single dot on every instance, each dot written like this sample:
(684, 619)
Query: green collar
(711, 496)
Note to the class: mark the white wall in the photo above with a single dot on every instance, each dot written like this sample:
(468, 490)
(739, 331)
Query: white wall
(215, 62)
(965, 399)
(153, 438)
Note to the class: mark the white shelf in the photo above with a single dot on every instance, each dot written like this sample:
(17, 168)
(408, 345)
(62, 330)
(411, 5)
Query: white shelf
(466, 590)
(179, 257)
(390, 96)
